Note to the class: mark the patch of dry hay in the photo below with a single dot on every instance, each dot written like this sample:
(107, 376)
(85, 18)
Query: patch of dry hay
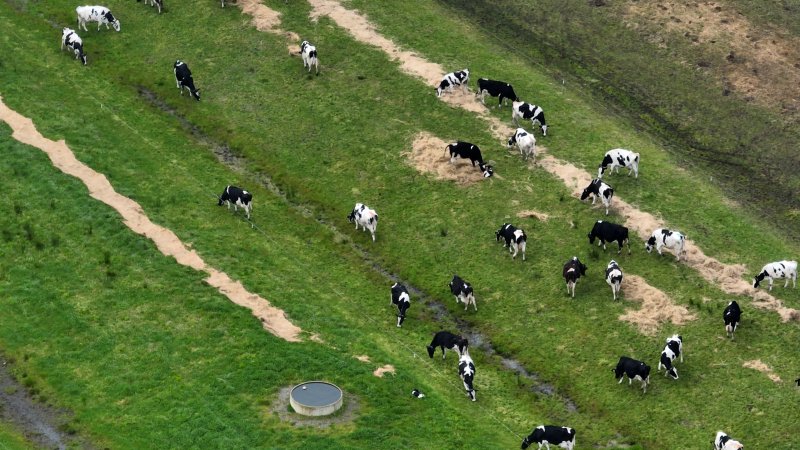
(388, 368)
(657, 307)
(758, 365)
(531, 213)
(362, 358)
(264, 18)
(429, 155)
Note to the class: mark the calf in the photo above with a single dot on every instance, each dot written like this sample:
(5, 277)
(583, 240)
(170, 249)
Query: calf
(400, 298)
(525, 142)
(466, 370)
(672, 350)
(609, 232)
(731, 316)
(522, 110)
(563, 437)
(780, 269)
(158, 3)
(468, 151)
(573, 270)
(597, 188)
(71, 40)
(634, 370)
(614, 277)
(183, 78)
(238, 197)
(515, 239)
(618, 157)
(463, 292)
(447, 340)
(99, 14)
(663, 237)
(309, 54)
(365, 217)
(499, 89)
(724, 442)
(452, 79)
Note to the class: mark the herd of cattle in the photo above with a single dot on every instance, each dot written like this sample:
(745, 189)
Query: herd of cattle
(512, 237)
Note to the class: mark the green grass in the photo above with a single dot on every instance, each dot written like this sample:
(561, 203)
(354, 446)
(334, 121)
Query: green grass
(11, 439)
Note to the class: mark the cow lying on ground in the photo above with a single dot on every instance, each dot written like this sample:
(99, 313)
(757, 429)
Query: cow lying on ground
(514, 238)
(525, 142)
(614, 277)
(466, 370)
(563, 437)
(309, 54)
(451, 80)
(781, 269)
(232, 195)
(400, 298)
(619, 157)
(365, 217)
(731, 315)
(672, 350)
(71, 40)
(597, 188)
(99, 14)
(573, 270)
(463, 292)
(447, 340)
(499, 89)
(724, 442)
(469, 151)
(159, 3)
(634, 370)
(522, 110)
(183, 78)
(609, 232)
(662, 237)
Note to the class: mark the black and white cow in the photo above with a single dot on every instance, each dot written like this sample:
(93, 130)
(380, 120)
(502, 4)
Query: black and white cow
(71, 40)
(724, 442)
(159, 3)
(634, 370)
(469, 151)
(400, 298)
(513, 238)
(525, 142)
(597, 188)
(366, 217)
(609, 232)
(309, 54)
(662, 237)
(416, 393)
(563, 437)
(731, 315)
(183, 78)
(237, 197)
(619, 157)
(494, 88)
(522, 110)
(447, 340)
(451, 80)
(672, 350)
(614, 277)
(99, 14)
(466, 370)
(779, 269)
(463, 292)
(573, 270)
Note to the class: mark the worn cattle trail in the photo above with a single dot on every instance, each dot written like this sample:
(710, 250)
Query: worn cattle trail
(273, 319)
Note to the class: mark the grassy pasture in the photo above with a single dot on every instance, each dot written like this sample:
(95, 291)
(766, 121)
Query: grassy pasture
(329, 141)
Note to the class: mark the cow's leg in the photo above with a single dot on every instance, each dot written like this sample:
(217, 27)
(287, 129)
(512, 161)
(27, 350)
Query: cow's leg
(444, 351)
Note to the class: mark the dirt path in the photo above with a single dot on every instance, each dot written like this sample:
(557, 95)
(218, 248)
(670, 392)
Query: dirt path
(273, 319)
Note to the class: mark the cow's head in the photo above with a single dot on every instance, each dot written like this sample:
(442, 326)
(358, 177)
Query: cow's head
(650, 243)
(581, 267)
(303, 46)
(604, 165)
(585, 193)
(525, 443)
(499, 233)
(352, 216)
(759, 278)
(488, 170)
(195, 93)
(673, 372)
(512, 140)
(112, 20)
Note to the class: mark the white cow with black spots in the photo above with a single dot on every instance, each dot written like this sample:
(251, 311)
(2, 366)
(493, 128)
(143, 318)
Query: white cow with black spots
(614, 277)
(781, 269)
(451, 80)
(619, 157)
(525, 142)
(71, 40)
(309, 54)
(662, 237)
(365, 217)
(99, 14)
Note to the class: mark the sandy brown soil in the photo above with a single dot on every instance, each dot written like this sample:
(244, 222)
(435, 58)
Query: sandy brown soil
(758, 365)
(273, 319)
(428, 155)
(388, 368)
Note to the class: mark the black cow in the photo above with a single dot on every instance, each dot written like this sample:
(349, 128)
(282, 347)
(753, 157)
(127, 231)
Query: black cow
(573, 269)
(237, 197)
(514, 238)
(635, 370)
(563, 437)
(447, 340)
(731, 316)
(499, 89)
(672, 350)
(183, 78)
(609, 232)
(597, 188)
(469, 151)
(466, 370)
(522, 110)
(463, 292)
(400, 298)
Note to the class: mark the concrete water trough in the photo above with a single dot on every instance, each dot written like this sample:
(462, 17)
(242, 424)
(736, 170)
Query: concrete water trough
(315, 398)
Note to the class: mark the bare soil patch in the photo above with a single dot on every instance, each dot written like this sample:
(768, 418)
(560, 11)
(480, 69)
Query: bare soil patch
(429, 155)
(758, 365)
(283, 409)
(388, 368)
(362, 358)
(657, 308)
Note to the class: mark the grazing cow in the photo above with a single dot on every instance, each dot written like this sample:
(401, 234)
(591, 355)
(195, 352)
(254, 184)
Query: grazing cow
(447, 340)
(563, 437)
(573, 270)
(417, 393)
(724, 442)
(365, 217)
(400, 298)
(619, 157)
(609, 232)
(451, 80)
(159, 3)
(469, 151)
(463, 292)
(614, 277)
(99, 14)
(514, 238)
(499, 89)
(466, 370)
(797, 382)
(525, 142)
(635, 370)
(731, 316)
(663, 237)
(237, 197)
(309, 54)
(71, 40)
(780, 269)
(672, 350)
(597, 188)
(183, 78)
(522, 110)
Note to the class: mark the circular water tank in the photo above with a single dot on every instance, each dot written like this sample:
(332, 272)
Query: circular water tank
(315, 398)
